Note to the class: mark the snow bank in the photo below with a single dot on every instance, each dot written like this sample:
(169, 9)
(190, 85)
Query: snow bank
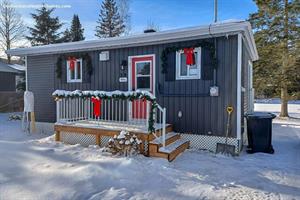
(35, 168)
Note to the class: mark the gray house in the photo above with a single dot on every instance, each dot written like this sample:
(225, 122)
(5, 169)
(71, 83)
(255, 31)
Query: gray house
(194, 73)
(9, 75)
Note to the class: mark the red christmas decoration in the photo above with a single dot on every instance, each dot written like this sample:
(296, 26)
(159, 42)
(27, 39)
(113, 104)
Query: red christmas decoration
(190, 57)
(97, 106)
(72, 61)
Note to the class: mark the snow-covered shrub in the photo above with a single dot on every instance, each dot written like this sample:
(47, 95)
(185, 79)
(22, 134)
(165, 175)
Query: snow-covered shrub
(14, 117)
(125, 143)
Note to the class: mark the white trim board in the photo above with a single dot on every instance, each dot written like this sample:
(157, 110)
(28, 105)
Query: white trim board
(26, 74)
(239, 87)
(176, 35)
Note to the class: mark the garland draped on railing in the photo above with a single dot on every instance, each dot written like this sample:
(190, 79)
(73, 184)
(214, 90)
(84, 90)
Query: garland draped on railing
(121, 95)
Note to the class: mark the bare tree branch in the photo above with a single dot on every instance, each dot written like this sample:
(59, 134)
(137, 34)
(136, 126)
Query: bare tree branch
(11, 26)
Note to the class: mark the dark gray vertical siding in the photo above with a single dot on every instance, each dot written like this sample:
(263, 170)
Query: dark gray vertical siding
(201, 114)
(41, 83)
(7, 81)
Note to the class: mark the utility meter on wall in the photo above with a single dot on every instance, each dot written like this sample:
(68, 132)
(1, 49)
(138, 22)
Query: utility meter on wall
(214, 91)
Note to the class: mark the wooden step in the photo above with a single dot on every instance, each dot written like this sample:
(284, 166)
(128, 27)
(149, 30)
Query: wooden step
(170, 138)
(175, 148)
(155, 144)
(169, 128)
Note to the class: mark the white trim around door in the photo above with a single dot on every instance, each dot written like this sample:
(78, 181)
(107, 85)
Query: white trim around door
(130, 71)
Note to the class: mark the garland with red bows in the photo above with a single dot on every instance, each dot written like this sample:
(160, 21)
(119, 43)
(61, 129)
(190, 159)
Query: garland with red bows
(87, 63)
(204, 44)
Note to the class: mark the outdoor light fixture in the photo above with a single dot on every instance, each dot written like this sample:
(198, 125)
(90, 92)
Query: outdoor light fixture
(123, 65)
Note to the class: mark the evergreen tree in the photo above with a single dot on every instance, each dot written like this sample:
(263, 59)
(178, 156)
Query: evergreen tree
(110, 23)
(277, 32)
(67, 37)
(45, 30)
(76, 29)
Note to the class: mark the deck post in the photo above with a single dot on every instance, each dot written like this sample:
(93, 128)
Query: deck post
(98, 140)
(57, 136)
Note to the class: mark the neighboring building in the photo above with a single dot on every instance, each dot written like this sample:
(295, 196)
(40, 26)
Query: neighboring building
(157, 62)
(9, 76)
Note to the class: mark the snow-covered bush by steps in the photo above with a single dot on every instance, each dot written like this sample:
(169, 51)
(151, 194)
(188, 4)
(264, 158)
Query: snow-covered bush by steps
(125, 143)
(14, 117)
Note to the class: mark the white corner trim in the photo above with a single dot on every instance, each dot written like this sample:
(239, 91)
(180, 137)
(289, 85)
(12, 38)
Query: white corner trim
(239, 87)
(26, 73)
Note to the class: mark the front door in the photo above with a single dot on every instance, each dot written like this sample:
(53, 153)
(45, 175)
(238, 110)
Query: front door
(141, 79)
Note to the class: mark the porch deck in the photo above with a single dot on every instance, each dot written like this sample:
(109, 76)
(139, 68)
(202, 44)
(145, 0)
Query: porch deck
(109, 128)
(97, 115)
(133, 126)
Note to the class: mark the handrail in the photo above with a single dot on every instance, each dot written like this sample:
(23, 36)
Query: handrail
(163, 123)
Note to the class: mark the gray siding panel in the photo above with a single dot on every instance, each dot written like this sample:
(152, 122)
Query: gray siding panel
(7, 81)
(202, 114)
(41, 71)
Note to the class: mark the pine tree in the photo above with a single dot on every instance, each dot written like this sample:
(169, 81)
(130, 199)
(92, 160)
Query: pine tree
(277, 34)
(76, 29)
(67, 37)
(110, 23)
(45, 30)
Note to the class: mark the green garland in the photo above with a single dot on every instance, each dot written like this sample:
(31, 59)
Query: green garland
(118, 95)
(85, 57)
(204, 44)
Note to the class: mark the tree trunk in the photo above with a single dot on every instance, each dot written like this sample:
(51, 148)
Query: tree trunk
(284, 92)
(8, 59)
(284, 101)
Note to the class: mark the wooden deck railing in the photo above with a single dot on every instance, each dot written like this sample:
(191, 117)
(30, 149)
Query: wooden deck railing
(137, 109)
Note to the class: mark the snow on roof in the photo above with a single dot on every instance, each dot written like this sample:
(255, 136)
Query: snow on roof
(18, 67)
(10, 68)
(183, 34)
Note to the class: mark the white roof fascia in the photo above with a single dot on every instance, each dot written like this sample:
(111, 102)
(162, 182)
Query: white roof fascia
(213, 30)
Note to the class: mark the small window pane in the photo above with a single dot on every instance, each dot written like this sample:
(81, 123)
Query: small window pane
(143, 82)
(78, 70)
(143, 68)
(72, 74)
(183, 67)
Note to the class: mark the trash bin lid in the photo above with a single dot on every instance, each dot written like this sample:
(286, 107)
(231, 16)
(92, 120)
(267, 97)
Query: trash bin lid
(260, 115)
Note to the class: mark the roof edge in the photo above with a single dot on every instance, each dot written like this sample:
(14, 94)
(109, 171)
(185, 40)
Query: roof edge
(215, 29)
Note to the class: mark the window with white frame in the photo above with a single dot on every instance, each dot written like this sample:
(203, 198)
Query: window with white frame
(74, 73)
(184, 71)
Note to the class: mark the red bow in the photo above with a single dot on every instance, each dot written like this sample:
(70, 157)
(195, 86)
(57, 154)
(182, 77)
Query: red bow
(72, 61)
(190, 57)
(97, 106)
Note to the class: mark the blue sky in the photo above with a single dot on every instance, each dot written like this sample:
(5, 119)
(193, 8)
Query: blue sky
(167, 14)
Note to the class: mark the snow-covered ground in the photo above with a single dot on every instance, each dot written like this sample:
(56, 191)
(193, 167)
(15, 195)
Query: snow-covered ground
(35, 167)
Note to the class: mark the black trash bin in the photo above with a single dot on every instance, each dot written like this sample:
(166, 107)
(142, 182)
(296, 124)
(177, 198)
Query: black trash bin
(259, 132)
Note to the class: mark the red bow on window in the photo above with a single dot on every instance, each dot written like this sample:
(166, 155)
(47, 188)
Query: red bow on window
(97, 106)
(190, 57)
(72, 61)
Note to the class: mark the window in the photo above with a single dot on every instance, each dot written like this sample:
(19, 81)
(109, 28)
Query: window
(143, 75)
(75, 74)
(184, 71)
